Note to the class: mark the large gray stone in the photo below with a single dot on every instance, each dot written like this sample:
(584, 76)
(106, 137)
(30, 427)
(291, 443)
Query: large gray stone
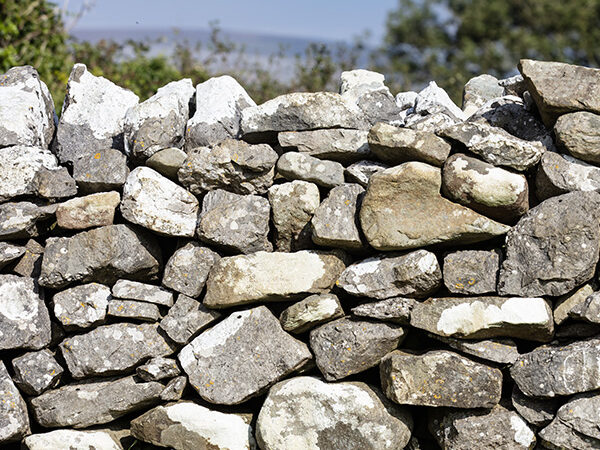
(81, 306)
(14, 420)
(23, 219)
(559, 174)
(310, 312)
(19, 166)
(102, 170)
(579, 134)
(186, 318)
(54, 184)
(71, 439)
(536, 411)
(299, 166)
(187, 269)
(36, 372)
(241, 357)
(337, 144)
(471, 271)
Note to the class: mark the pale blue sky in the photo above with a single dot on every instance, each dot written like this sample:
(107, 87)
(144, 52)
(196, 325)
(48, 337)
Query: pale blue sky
(327, 19)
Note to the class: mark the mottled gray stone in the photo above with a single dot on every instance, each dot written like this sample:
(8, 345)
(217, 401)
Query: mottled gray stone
(241, 357)
(559, 174)
(236, 222)
(14, 420)
(23, 219)
(31, 262)
(93, 402)
(299, 166)
(81, 306)
(553, 248)
(103, 170)
(93, 210)
(310, 312)
(307, 413)
(187, 269)
(113, 349)
(361, 171)
(434, 100)
(588, 310)
(55, 183)
(536, 411)
(514, 85)
(406, 100)
(71, 439)
(431, 123)
(132, 309)
(19, 166)
(173, 391)
(103, 254)
(579, 134)
(157, 369)
(478, 91)
(10, 253)
(167, 161)
(134, 290)
(346, 346)
(471, 271)
(439, 378)
(338, 144)
(566, 305)
(36, 372)
(396, 309)
(502, 351)
(186, 318)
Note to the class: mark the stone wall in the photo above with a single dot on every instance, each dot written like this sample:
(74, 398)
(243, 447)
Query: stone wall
(322, 271)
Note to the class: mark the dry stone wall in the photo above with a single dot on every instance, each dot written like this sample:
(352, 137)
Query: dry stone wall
(334, 271)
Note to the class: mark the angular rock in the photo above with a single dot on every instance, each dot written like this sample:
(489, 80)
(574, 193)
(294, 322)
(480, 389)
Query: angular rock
(158, 122)
(157, 369)
(567, 305)
(394, 145)
(471, 271)
(187, 270)
(132, 309)
(502, 351)
(134, 290)
(31, 262)
(93, 402)
(159, 204)
(293, 205)
(167, 162)
(241, 357)
(174, 389)
(68, 439)
(578, 133)
(14, 420)
(81, 306)
(9, 253)
(346, 346)
(433, 100)
(431, 123)
(414, 274)
(553, 248)
(22, 220)
(298, 166)
(514, 85)
(55, 183)
(335, 222)
(559, 174)
(338, 144)
(36, 372)
(536, 411)
(236, 222)
(24, 318)
(439, 378)
(305, 412)
(406, 100)
(478, 91)
(361, 171)
(264, 276)
(93, 210)
(219, 104)
(104, 170)
(403, 209)
(186, 425)
(19, 166)
(232, 165)
(81, 129)
(186, 318)
(113, 349)
(103, 254)
(310, 312)
(589, 309)
(396, 310)
(554, 370)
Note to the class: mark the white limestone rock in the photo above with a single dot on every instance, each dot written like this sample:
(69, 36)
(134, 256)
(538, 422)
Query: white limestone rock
(81, 306)
(19, 166)
(134, 290)
(71, 439)
(298, 166)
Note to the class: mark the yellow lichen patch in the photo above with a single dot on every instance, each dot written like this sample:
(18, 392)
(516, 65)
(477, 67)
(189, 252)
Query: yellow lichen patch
(471, 281)
(459, 286)
(437, 396)
(98, 155)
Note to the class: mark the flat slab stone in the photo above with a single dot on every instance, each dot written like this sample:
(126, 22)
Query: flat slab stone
(81, 306)
(186, 318)
(536, 411)
(241, 357)
(93, 210)
(310, 312)
(134, 290)
(338, 144)
(93, 402)
(299, 166)
(113, 349)
(396, 310)
(471, 271)
(36, 372)
(132, 309)
(103, 170)
(439, 378)
(307, 413)
(14, 420)
(502, 351)
(19, 166)
(187, 269)
(559, 174)
(578, 133)
(97, 440)
(264, 276)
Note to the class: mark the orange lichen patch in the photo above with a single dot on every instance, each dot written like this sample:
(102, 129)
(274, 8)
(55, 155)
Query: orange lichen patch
(98, 155)
(347, 202)
(459, 286)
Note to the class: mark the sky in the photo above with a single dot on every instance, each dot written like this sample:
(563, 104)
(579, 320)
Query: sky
(314, 19)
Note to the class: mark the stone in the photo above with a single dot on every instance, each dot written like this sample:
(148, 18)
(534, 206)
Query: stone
(486, 430)
(337, 144)
(186, 318)
(55, 183)
(159, 122)
(239, 223)
(293, 205)
(31, 262)
(113, 349)
(174, 389)
(299, 166)
(588, 310)
(264, 276)
(496, 146)
(394, 145)
(485, 317)
(439, 378)
(159, 204)
(157, 369)
(68, 439)
(578, 134)
(414, 274)
(104, 170)
(310, 312)
(361, 171)
(538, 412)
(335, 222)
(19, 166)
(514, 85)
(81, 306)
(307, 413)
(554, 370)
(431, 122)
(478, 91)
(219, 105)
(24, 318)
(232, 165)
(167, 161)
(14, 420)
(10, 253)
(241, 357)
(36, 372)
(406, 100)
(559, 174)
(553, 248)
(187, 425)
(471, 272)
(433, 99)
(347, 346)
(81, 129)
(102, 254)
(26, 109)
(494, 192)
(403, 209)
(23, 219)
(501, 351)
(360, 79)
(134, 290)
(93, 402)
(132, 309)
(549, 84)
(94, 210)
(566, 306)
(187, 269)
(396, 310)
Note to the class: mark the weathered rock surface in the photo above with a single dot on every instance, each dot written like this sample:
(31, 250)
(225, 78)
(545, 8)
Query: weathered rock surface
(23, 219)
(403, 209)
(134, 290)
(186, 318)
(578, 133)
(36, 372)
(93, 210)
(187, 270)
(559, 174)
(536, 411)
(305, 412)
(10, 253)
(167, 161)
(299, 166)
(264, 354)
(471, 271)
(132, 309)
(588, 310)
(502, 351)
(19, 166)
(103, 170)
(439, 378)
(264, 276)
(14, 421)
(478, 91)
(53, 184)
(30, 263)
(567, 305)
(434, 100)
(395, 310)
(174, 389)
(361, 171)
(338, 144)
(81, 306)
(157, 369)
(346, 346)
(310, 312)
(68, 439)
